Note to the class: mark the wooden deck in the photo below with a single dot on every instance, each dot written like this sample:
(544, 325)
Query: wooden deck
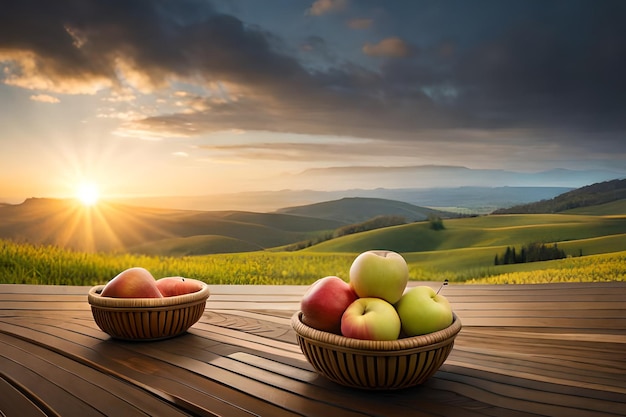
(528, 350)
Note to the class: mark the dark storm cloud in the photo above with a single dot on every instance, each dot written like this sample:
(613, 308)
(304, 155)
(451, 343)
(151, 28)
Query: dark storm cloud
(563, 67)
(549, 65)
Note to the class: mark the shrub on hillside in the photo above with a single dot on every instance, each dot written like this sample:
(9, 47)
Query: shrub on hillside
(435, 222)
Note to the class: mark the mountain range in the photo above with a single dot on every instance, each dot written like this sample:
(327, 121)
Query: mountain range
(466, 200)
(476, 191)
(440, 176)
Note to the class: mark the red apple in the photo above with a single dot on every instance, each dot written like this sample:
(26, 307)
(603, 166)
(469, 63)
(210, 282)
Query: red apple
(324, 302)
(132, 283)
(170, 286)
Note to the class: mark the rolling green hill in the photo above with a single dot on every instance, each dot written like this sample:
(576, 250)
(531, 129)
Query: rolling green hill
(482, 231)
(613, 208)
(467, 246)
(358, 209)
(589, 196)
(195, 245)
(117, 227)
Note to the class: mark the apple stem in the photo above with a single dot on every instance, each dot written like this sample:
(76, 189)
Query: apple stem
(445, 282)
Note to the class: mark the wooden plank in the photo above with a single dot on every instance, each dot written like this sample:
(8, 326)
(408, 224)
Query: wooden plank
(542, 367)
(553, 333)
(536, 400)
(612, 309)
(543, 322)
(547, 349)
(264, 385)
(315, 395)
(42, 289)
(545, 313)
(101, 392)
(197, 395)
(43, 390)
(15, 400)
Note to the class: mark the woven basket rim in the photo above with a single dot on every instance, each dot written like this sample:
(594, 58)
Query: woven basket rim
(95, 299)
(335, 341)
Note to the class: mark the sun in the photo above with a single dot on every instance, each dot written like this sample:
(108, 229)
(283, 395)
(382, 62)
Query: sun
(87, 193)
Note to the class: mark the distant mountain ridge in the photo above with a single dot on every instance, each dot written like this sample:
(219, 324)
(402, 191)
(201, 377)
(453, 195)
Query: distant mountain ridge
(440, 176)
(476, 200)
(591, 195)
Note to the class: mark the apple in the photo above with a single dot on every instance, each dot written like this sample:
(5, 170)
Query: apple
(422, 311)
(324, 302)
(170, 286)
(371, 318)
(134, 282)
(379, 273)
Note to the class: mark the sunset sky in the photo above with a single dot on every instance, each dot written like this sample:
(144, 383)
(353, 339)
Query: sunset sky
(193, 97)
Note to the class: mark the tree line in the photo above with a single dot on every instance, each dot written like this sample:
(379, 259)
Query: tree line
(532, 252)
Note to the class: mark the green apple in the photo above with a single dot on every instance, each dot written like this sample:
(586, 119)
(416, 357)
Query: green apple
(422, 311)
(370, 319)
(379, 273)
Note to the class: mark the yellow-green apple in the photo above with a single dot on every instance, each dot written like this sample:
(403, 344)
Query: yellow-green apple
(134, 282)
(170, 286)
(422, 311)
(379, 273)
(324, 302)
(371, 318)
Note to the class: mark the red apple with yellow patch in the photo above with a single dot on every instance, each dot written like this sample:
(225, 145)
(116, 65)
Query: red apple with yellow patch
(171, 286)
(133, 282)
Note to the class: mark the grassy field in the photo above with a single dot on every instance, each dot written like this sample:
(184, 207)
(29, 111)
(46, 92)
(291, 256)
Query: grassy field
(48, 265)
(593, 268)
(463, 252)
(28, 264)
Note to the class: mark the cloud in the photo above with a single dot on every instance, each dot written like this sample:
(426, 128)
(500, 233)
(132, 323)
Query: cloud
(320, 7)
(31, 71)
(388, 47)
(555, 75)
(360, 23)
(44, 98)
(337, 150)
(475, 148)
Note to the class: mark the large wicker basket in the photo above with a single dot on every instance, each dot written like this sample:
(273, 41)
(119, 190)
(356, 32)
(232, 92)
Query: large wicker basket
(375, 365)
(147, 319)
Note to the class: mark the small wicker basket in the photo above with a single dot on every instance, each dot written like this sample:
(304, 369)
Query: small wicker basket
(375, 365)
(146, 319)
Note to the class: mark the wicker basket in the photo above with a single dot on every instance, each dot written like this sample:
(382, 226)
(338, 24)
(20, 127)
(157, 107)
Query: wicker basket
(375, 365)
(147, 318)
